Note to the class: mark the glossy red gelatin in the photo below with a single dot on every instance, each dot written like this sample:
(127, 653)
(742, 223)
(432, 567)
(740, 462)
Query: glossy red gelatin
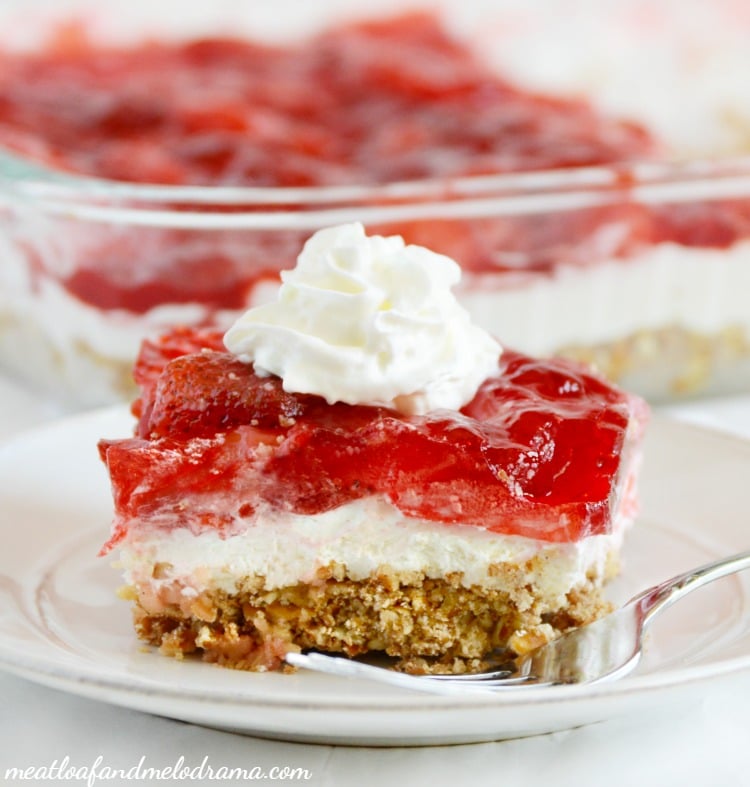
(541, 451)
(364, 103)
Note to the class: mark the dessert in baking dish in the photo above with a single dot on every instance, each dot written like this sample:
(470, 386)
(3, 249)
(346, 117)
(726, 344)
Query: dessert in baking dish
(357, 467)
(357, 108)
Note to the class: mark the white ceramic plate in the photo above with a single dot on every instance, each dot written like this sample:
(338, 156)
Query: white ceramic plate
(61, 624)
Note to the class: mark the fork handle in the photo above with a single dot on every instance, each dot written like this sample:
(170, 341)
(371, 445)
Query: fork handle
(658, 598)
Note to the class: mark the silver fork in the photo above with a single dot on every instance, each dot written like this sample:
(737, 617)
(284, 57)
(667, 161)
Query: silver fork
(607, 649)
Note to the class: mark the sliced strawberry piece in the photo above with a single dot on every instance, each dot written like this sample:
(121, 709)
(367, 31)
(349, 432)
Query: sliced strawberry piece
(155, 354)
(209, 392)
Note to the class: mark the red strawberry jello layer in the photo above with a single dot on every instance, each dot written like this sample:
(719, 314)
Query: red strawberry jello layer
(253, 521)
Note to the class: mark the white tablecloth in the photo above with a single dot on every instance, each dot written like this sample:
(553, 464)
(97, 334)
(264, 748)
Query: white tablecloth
(705, 741)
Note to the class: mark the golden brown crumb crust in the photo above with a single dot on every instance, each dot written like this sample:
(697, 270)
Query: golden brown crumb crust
(427, 624)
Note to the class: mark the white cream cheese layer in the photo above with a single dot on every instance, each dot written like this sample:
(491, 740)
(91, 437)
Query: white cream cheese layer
(363, 536)
(702, 290)
(368, 320)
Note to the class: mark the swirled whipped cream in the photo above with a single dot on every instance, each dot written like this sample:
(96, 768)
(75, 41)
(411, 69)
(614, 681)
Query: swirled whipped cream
(368, 320)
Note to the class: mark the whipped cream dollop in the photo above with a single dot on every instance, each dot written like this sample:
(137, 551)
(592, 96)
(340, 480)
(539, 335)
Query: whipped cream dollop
(368, 320)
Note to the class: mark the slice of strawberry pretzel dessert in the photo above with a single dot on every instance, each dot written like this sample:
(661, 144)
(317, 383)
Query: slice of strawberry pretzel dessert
(358, 468)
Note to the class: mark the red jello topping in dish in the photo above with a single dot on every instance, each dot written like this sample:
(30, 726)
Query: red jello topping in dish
(365, 103)
(537, 452)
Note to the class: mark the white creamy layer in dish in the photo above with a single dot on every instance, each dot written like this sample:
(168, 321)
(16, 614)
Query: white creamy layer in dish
(85, 354)
(703, 290)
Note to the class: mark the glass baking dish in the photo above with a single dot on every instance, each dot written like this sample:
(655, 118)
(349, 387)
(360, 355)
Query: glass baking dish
(641, 268)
